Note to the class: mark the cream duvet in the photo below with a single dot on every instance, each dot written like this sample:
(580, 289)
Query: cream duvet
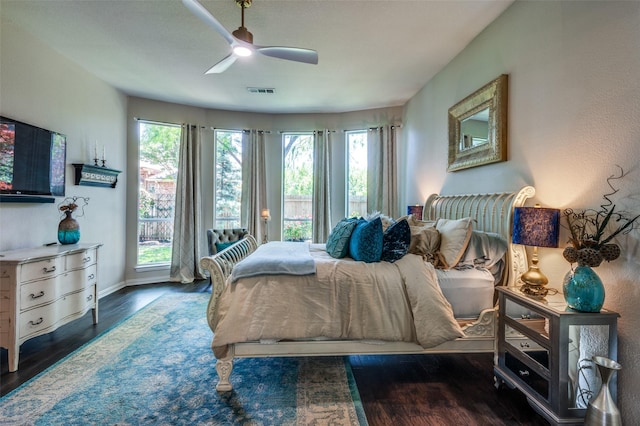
(343, 300)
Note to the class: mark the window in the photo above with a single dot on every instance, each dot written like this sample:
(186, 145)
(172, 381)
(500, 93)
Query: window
(356, 173)
(158, 168)
(297, 191)
(228, 180)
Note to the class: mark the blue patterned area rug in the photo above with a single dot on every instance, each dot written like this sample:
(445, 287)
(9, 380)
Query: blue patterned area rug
(157, 368)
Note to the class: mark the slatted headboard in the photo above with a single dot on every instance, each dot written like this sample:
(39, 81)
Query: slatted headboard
(491, 213)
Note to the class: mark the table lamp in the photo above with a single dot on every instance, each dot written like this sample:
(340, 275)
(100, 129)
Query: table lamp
(265, 214)
(536, 227)
(415, 211)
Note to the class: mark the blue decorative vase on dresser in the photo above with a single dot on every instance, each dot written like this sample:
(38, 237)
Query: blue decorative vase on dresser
(583, 290)
(68, 230)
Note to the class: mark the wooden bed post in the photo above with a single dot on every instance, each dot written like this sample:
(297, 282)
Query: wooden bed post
(224, 367)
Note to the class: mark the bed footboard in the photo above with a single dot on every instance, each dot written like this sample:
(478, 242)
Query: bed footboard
(220, 266)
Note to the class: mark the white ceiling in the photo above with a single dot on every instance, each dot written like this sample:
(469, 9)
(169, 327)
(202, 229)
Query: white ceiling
(372, 53)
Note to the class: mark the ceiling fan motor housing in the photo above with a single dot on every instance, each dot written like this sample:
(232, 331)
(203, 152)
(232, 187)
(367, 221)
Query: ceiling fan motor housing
(243, 34)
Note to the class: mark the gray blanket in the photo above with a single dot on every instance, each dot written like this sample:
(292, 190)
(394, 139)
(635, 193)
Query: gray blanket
(276, 258)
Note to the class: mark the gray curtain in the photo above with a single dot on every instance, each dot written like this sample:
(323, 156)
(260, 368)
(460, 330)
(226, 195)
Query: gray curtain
(187, 232)
(254, 188)
(321, 185)
(382, 181)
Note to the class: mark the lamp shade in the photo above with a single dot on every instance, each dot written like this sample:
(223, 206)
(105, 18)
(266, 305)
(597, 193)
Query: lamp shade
(536, 226)
(415, 211)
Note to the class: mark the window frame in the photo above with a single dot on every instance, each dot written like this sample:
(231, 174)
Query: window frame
(347, 144)
(150, 265)
(215, 176)
(282, 188)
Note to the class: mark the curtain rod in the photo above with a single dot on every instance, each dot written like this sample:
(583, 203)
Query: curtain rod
(236, 130)
(164, 123)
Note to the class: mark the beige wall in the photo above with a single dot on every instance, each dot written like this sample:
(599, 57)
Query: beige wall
(40, 87)
(574, 104)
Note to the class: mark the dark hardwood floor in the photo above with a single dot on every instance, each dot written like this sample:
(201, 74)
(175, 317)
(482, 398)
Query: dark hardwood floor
(454, 389)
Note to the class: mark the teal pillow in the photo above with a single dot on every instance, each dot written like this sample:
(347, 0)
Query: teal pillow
(396, 241)
(222, 246)
(366, 241)
(338, 241)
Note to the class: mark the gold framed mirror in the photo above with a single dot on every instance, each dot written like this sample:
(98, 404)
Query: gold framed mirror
(478, 127)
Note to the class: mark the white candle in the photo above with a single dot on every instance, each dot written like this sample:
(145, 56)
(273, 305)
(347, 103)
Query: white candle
(95, 151)
(104, 151)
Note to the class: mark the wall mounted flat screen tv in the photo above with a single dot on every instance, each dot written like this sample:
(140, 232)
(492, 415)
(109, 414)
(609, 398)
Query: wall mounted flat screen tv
(32, 159)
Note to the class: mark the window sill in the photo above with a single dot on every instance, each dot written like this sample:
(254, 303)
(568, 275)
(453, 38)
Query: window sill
(152, 267)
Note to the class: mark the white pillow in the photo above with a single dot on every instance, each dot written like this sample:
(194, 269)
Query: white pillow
(454, 238)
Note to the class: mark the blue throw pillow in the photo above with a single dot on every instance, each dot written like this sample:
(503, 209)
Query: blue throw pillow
(396, 241)
(222, 246)
(366, 241)
(338, 241)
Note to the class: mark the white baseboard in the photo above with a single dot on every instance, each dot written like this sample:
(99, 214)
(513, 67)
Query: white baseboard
(138, 281)
(107, 291)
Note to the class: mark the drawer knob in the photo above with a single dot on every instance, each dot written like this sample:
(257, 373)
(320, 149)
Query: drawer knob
(39, 321)
(524, 344)
(49, 270)
(89, 297)
(35, 296)
(92, 276)
(87, 259)
(524, 373)
(525, 316)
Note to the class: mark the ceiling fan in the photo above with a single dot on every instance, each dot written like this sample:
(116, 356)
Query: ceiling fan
(241, 40)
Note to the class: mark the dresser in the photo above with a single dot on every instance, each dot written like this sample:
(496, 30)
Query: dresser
(545, 348)
(44, 288)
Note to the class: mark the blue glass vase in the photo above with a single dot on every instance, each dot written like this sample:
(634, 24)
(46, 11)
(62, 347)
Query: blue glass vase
(68, 230)
(583, 290)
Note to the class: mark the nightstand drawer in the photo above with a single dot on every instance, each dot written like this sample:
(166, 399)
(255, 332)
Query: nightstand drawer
(528, 375)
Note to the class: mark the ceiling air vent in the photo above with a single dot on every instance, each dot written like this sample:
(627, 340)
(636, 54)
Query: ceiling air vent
(261, 90)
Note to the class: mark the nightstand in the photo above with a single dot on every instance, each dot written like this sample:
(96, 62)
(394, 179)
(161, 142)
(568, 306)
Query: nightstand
(544, 349)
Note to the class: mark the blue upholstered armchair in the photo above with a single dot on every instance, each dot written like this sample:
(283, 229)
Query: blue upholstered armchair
(220, 239)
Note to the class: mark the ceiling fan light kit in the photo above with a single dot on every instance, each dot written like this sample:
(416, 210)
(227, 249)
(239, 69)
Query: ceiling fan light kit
(241, 40)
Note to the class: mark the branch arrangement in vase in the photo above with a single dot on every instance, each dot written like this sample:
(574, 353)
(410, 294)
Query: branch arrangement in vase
(593, 230)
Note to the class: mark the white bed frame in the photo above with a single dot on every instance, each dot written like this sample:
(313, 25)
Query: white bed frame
(491, 212)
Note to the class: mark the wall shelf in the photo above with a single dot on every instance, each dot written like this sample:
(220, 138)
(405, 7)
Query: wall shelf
(87, 174)
(26, 199)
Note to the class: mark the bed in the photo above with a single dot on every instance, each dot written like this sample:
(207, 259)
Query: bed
(466, 329)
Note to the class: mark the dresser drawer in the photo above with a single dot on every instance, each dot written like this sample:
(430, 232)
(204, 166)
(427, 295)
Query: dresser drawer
(41, 269)
(44, 317)
(37, 319)
(38, 292)
(81, 260)
(78, 279)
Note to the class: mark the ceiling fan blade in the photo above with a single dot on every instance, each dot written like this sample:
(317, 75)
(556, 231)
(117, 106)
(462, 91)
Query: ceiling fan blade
(222, 65)
(296, 54)
(202, 13)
